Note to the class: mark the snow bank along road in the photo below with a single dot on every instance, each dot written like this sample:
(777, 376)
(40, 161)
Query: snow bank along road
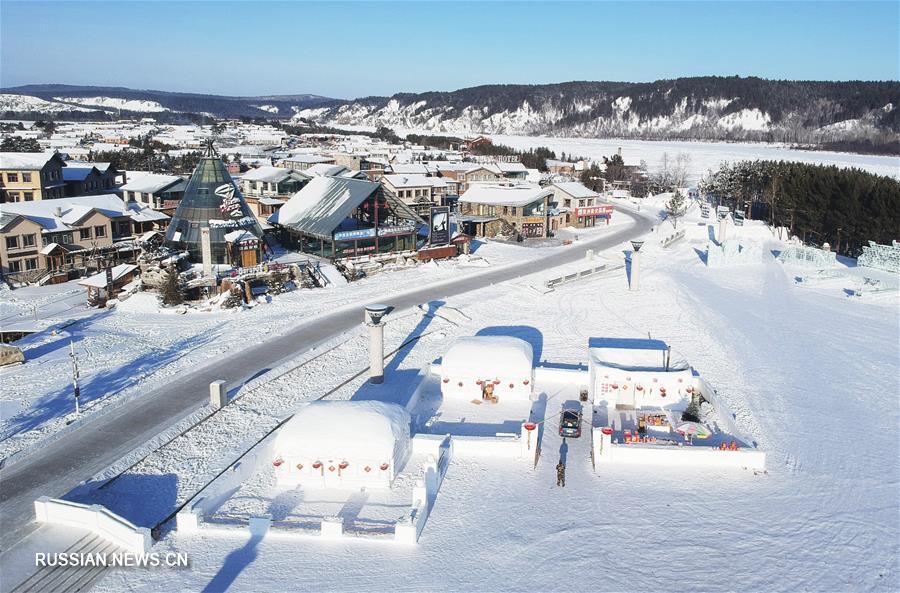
(63, 464)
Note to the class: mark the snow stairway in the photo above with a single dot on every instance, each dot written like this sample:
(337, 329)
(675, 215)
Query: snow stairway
(65, 579)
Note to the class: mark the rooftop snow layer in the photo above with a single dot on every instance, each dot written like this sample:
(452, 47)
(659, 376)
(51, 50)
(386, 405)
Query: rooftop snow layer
(504, 195)
(488, 357)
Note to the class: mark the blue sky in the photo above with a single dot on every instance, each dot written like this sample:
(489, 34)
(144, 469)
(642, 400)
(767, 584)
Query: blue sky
(344, 49)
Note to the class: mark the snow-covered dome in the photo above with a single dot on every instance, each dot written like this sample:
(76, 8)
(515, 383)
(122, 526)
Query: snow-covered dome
(343, 444)
(488, 357)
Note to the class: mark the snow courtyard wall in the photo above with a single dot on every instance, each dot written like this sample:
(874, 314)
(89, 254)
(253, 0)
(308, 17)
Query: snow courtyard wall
(342, 444)
(475, 361)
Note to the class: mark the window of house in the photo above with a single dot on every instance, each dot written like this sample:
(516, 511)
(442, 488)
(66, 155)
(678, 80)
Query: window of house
(84, 233)
(12, 242)
(28, 240)
(15, 265)
(31, 264)
(26, 177)
(13, 196)
(67, 238)
(12, 177)
(29, 196)
(99, 231)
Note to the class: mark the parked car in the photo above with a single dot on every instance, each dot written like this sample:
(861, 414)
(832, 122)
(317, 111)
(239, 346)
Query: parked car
(570, 424)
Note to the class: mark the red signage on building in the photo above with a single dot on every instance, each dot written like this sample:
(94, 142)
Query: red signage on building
(605, 210)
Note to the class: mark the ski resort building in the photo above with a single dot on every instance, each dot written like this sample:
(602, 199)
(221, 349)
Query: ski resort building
(340, 217)
(212, 201)
(493, 368)
(343, 444)
(491, 209)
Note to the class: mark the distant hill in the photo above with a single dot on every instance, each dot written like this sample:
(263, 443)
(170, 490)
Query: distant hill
(708, 108)
(73, 102)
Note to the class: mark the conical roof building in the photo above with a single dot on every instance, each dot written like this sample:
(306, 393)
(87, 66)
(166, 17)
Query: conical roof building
(211, 200)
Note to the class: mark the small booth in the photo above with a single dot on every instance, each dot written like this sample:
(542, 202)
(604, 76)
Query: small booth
(343, 444)
(489, 369)
(244, 248)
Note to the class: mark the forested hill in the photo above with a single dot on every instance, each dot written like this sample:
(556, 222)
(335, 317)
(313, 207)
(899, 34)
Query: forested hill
(712, 108)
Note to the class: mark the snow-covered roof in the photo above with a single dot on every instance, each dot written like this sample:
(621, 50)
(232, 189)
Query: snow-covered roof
(404, 180)
(308, 158)
(240, 235)
(512, 167)
(575, 189)
(345, 430)
(271, 201)
(76, 173)
(98, 280)
(410, 169)
(146, 182)
(269, 173)
(488, 357)
(25, 161)
(64, 214)
(504, 195)
(634, 354)
(323, 169)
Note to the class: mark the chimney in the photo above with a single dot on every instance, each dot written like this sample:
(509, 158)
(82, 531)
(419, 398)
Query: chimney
(59, 212)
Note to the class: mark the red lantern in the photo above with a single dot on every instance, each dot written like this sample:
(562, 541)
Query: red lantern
(606, 430)
(317, 465)
(511, 385)
(479, 382)
(278, 462)
(299, 466)
(662, 392)
(526, 382)
(640, 387)
(384, 467)
(615, 385)
(343, 465)
(530, 426)
(496, 381)
(446, 380)
(460, 383)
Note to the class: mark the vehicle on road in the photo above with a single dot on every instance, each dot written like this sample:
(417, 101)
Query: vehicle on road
(570, 424)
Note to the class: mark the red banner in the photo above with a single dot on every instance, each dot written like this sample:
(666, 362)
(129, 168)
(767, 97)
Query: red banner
(605, 210)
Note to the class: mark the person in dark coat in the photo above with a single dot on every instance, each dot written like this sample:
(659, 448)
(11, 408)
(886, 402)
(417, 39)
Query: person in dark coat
(561, 474)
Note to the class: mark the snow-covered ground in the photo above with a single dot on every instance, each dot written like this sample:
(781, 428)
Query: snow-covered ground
(138, 345)
(810, 373)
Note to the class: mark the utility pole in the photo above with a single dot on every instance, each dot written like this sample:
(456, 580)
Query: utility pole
(75, 376)
(837, 248)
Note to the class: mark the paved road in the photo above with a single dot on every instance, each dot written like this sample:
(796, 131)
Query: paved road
(75, 457)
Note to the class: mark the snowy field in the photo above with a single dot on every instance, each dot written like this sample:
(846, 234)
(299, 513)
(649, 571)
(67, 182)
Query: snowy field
(138, 345)
(810, 373)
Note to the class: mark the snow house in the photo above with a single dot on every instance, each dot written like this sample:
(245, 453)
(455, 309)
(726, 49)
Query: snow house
(343, 444)
(488, 368)
(212, 200)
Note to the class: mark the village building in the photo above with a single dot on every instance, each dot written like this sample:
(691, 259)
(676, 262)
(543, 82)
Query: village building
(515, 210)
(555, 167)
(372, 167)
(154, 190)
(266, 189)
(303, 161)
(82, 178)
(213, 201)
(67, 237)
(579, 206)
(31, 176)
(419, 192)
(339, 217)
(492, 368)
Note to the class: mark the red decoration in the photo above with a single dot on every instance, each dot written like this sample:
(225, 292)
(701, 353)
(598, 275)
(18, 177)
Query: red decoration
(299, 466)
(460, 383)
(331, 468)
(479, 382)
(640, 387)
(511, 385)
(530, 426)
(384, 467)
(343, 465)
(606, 430)
(446, 380)
(278, 462)
(615, 385)
(368, 469)
(526, 382)
(317, 465)
(496, 381)
(624, 386)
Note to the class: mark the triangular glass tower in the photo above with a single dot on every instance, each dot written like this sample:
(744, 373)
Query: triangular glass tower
(211, 200)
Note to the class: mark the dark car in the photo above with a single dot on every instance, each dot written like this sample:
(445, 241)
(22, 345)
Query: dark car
(570, 424)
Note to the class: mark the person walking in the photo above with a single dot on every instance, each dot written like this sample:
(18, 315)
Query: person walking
(561, 474)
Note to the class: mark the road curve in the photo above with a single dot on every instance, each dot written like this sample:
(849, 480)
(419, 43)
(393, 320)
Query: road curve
(62, 464)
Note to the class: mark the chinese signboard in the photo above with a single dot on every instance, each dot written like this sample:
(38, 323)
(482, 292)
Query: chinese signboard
(604, 210)
(355, 234)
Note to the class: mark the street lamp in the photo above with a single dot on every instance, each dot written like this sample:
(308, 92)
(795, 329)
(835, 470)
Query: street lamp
(635, 265)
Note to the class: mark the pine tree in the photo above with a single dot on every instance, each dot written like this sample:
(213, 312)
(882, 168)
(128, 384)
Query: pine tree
(676, 208)
(171, 288)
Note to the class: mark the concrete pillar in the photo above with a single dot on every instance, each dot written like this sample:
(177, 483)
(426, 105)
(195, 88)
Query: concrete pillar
(589, 255)
(218, 394)
(373, 317)
(206, 252)
(722, 222)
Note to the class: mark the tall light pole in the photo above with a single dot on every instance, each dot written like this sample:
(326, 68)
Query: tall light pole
(837, 248)
(373, 317)
(635, 265)
(75, 386)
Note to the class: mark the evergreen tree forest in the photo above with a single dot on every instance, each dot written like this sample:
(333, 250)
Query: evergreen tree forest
(820, 204)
